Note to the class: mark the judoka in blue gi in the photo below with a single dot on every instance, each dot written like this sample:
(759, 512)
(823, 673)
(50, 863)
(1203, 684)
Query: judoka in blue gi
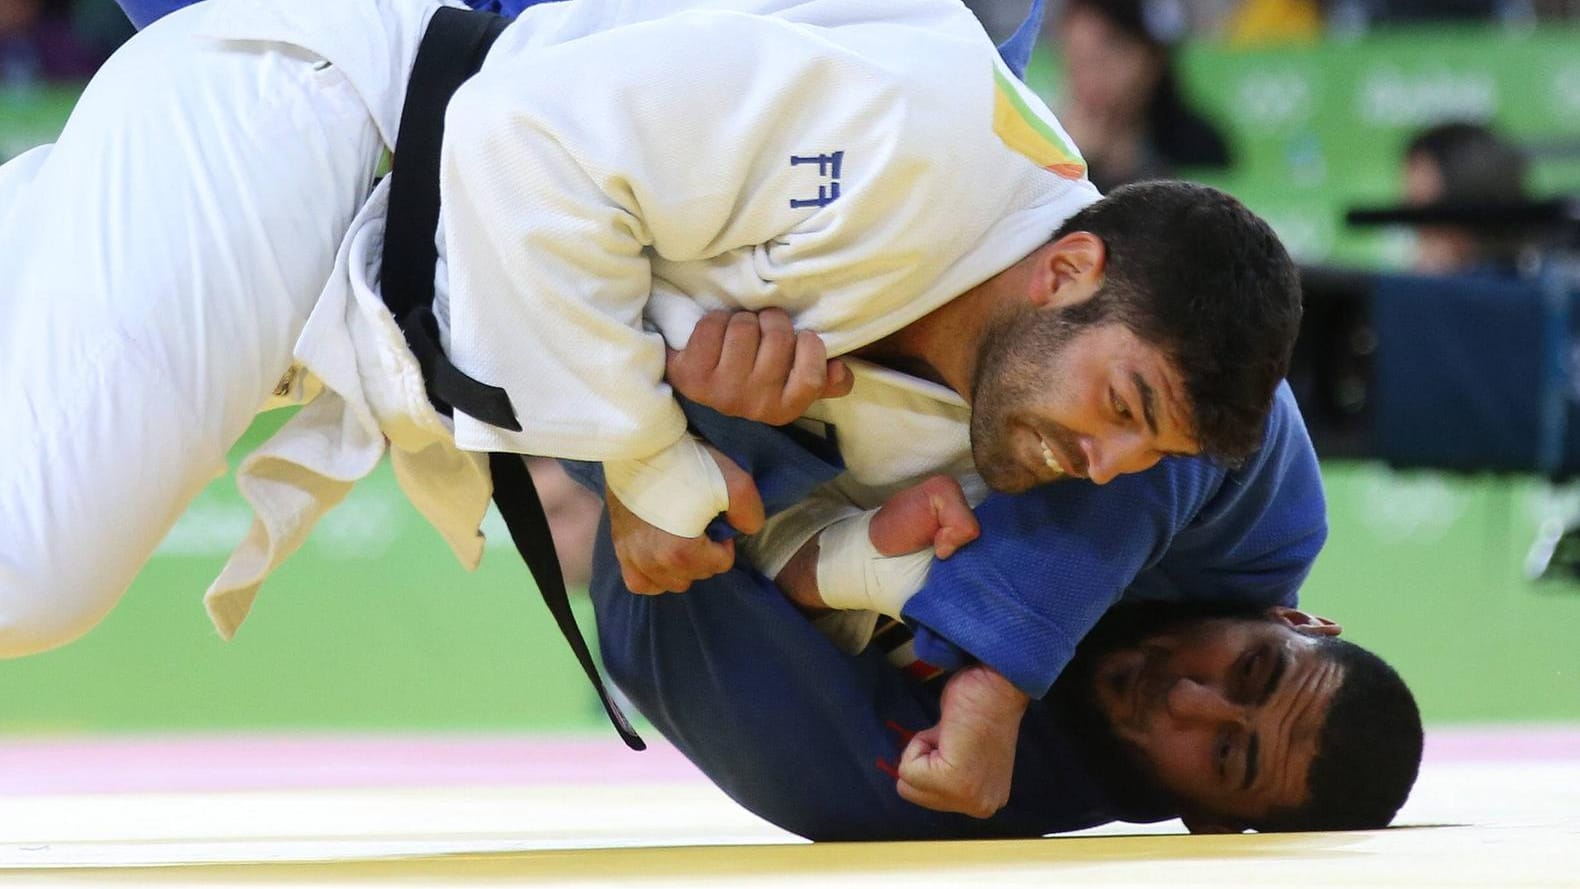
(1205, 694)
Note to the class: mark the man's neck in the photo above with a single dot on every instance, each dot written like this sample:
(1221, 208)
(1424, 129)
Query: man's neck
(940, 346)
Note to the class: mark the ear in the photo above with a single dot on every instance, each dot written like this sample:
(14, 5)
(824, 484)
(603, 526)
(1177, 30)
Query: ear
(1303, 623)
(1068, 270)
(1206, 824)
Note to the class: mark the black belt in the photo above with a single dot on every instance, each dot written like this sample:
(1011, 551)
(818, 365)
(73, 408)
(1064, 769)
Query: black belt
(451, 51)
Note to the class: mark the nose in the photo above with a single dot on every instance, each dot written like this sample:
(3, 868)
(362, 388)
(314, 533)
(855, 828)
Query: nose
(1098, 469)
(1191, 701)
(1112, 458)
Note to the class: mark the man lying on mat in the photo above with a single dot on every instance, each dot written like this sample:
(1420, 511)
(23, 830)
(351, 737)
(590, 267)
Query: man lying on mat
(752, 704)
(1229, 714)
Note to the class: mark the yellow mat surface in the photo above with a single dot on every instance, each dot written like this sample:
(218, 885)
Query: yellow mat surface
(1482, 823)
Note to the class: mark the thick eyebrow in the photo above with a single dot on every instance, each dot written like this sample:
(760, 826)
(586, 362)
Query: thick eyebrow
(1252, 751)
(1149, 401)
(1253, 747)
(1274, 676)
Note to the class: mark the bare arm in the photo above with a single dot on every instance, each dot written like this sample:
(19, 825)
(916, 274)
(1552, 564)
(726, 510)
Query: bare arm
(966, 762)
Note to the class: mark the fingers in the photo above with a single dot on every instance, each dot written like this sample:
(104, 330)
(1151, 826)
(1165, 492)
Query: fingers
(934, 514)
(674, 569)
(742, 336)
(966, 763)
(957, 524)
(653, 561)
(904, 524)
(745, 512)
(948, 541)
(839, 378)
(919, 760)
(706, 344)
(756, 365)
(637, 582)
(928, 779)
(806, 377)
(772, 368)
(689, 369)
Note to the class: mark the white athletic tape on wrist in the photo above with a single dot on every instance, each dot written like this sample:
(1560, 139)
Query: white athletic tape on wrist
(785, 532)
(853, 575)
(663, 489)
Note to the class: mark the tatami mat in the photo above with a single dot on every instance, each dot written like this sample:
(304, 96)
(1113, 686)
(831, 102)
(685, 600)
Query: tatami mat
(1492, 809)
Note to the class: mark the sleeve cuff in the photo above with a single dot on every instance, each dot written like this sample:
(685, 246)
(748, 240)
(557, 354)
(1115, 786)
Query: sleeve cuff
(679, 489)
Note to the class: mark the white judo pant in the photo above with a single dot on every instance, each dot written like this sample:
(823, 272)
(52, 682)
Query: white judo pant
(156, 266)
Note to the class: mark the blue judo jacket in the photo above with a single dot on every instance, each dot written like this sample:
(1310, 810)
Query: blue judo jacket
(806, 736)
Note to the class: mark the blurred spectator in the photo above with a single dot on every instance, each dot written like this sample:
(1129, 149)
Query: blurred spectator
(1122, 100)
(1455, 163)
(38, 43)
(1254, 22)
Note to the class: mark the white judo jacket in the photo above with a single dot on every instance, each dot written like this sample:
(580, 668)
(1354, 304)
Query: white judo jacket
(614, 171)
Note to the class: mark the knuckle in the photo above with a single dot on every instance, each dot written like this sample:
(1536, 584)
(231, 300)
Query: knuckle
(759, 409)
(776, 414)
(794, 404)
(776, 326)
(670, 562)
(809, 344)
(779, 345)
(681, 374)
(807, 379)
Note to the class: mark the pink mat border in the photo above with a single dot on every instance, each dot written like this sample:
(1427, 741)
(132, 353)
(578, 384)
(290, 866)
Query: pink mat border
(207, 764)
(280, 762)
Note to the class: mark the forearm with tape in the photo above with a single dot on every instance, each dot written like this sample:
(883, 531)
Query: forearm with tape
(853, 575)
(679, 489)
(785, 532)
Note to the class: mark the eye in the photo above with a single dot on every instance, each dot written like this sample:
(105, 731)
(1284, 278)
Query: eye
(1120, 409)
(1221, 755)
(1248, 666)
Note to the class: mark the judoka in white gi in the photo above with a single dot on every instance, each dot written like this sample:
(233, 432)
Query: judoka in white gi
(203, 240)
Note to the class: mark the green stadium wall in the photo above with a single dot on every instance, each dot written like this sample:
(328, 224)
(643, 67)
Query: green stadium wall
(374, 626)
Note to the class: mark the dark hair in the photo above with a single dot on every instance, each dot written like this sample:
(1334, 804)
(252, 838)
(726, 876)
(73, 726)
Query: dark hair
(1368, 753)
(1194, 273)
(1474, 163)
(1179, 134)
